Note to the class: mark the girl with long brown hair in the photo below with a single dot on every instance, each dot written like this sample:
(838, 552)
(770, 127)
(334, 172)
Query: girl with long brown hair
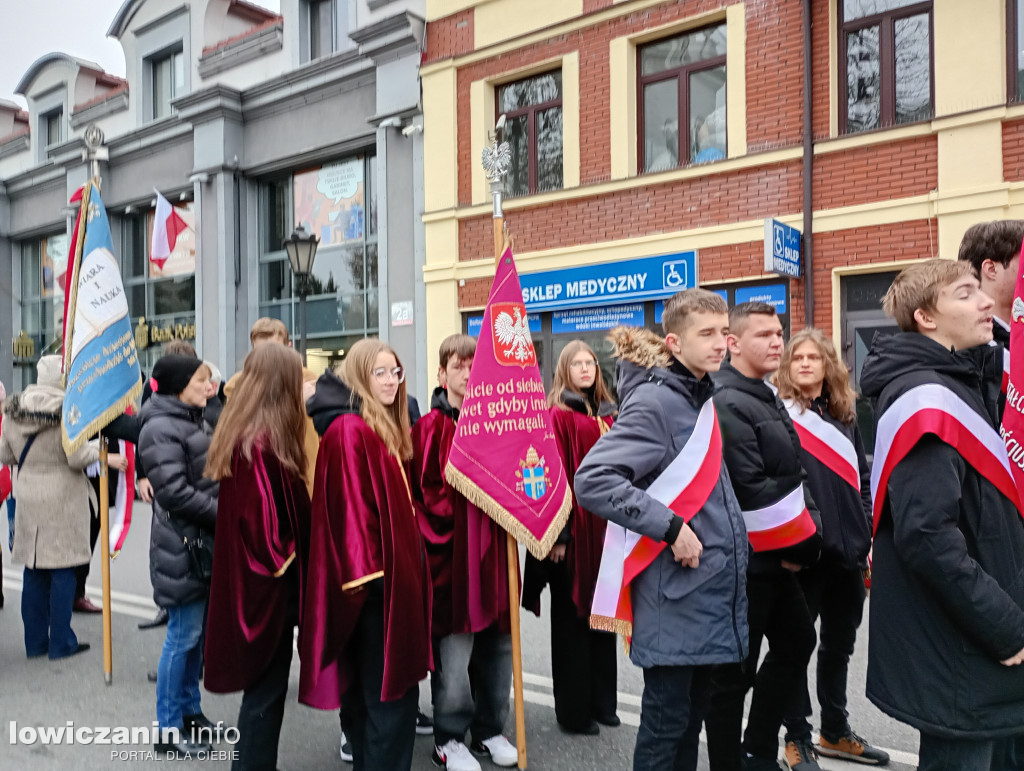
(582, 659)
(258, 454)
(365, 636)
(815, 387)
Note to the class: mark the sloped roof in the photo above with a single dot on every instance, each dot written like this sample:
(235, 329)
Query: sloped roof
(38, 65)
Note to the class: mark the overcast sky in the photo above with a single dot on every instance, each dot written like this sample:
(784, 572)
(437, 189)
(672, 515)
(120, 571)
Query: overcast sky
(33, 28)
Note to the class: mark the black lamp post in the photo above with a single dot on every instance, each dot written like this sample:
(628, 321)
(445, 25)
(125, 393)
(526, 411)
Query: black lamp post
(301, 248)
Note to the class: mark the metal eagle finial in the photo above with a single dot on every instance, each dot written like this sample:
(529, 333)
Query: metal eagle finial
(496, 160)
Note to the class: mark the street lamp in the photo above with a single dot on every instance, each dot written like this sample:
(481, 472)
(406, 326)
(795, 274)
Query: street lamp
(301, 248)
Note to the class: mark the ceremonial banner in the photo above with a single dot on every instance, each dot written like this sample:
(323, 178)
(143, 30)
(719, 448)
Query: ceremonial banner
(101, 367)
(1012, 428)
(504, 458)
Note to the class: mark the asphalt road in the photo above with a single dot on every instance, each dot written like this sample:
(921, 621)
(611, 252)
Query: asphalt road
(41, 693)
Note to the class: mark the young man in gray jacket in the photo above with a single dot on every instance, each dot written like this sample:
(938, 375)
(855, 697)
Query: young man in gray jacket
(679, 578)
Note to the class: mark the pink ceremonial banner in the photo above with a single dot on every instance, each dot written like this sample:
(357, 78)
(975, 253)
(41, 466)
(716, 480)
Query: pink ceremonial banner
(504, 458)
(1013, 414)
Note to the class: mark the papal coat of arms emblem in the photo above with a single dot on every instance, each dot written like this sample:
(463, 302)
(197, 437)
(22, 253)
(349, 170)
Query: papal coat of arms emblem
(510, 329)
(533, 476)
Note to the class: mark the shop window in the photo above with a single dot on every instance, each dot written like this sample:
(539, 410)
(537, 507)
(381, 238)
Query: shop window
(167, 81)
(682, 99)
(43, 264)
(533, 129)
(888, 63)
(1015, 54)
(335, 203)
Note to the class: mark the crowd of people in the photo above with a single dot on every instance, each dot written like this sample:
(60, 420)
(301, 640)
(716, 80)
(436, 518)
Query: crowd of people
(321, 505)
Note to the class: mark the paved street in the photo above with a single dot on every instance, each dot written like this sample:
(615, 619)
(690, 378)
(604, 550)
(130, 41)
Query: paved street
(44, 693)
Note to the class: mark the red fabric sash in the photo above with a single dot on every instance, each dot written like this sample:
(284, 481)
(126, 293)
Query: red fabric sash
(684, 487)
(786, 522)
(829, 446)
(935, 409)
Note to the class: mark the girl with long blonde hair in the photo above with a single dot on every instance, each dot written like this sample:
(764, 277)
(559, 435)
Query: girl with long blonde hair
(815, 386)
(367, 567)
(582, 659)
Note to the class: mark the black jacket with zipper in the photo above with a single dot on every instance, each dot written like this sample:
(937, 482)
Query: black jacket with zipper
(948, 572)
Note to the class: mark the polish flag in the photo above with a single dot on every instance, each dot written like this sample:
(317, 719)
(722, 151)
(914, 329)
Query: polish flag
(167, 225)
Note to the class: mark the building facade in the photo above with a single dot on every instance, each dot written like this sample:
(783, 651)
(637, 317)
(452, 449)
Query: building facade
(251, 123)
(652, 139)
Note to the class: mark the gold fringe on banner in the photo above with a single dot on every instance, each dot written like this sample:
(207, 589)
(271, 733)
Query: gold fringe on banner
(616, 625)
(538, 548)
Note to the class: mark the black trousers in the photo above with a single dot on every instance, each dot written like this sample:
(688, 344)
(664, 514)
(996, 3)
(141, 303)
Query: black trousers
(836, 594)
(583, 665)
(673, 706)
(382, 734)
(82, 571)
(262, 711)
(778, 611)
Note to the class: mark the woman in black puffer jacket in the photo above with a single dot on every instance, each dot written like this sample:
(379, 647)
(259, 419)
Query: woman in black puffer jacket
(175, 439)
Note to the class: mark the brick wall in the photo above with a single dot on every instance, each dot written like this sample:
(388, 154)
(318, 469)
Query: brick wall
(665, 208)
(876, 173)
(451, 36)
(1013, 150)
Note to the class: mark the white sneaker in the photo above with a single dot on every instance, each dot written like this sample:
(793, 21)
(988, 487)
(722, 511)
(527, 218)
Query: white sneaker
(455, 756)
(346, 749)
(501, 751)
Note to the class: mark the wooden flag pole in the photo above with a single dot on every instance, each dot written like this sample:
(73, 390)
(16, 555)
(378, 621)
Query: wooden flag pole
(108, 648)
(513, 569)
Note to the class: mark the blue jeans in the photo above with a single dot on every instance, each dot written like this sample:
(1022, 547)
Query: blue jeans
(177, 679)
(47, 597)
(470, 685)
(672, 710)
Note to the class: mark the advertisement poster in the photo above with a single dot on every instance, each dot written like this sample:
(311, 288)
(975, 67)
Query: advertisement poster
(329, 202)
(182, 261)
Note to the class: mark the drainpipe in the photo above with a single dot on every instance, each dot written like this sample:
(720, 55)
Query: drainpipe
(808, 171)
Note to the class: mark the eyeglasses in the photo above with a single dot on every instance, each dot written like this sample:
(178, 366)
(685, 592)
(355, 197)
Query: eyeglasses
(591, 364)
(382, 375)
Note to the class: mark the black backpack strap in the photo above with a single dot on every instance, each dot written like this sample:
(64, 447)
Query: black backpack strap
(25, 449)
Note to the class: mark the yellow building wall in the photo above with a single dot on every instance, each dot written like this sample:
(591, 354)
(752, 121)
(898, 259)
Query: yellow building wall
(970, 102)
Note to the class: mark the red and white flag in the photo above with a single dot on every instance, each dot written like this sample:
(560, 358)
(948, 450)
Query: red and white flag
(1012, 428)
(167, 225)
(684, 486)
(830, 446)
(935, 409)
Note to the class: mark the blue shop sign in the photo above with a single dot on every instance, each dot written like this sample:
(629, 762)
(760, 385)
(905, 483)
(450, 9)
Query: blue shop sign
(781, 248)
(475, 323)
(773, 294)
(596, 319)
(649, 278)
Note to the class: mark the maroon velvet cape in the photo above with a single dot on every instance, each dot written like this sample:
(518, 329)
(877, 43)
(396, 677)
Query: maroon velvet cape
(363, 529)
(575, 434)
(259, 555)
(467, 549)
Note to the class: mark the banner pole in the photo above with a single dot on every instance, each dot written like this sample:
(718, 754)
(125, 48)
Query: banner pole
(108, 649)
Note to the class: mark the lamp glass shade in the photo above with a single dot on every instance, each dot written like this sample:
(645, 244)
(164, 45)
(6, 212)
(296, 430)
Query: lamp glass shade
(301, 249)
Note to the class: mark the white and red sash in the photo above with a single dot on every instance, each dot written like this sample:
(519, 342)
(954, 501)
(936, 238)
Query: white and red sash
(1006, 358)
(784, 523)
(120, 511)
(829, 446)
(935, 409)
(684, 486)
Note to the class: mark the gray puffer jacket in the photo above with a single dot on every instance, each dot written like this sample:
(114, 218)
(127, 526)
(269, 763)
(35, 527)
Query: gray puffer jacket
(681, 616)
(175, 439)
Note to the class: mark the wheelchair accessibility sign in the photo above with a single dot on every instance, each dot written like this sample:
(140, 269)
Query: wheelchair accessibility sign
(674, 275)
(781, 248)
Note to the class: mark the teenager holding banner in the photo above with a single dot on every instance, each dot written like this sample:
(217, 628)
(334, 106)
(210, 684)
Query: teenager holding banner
(583, 665)
(468, 559)
(364, 637)
(947, 610)
(762, 452)
(815, 387)
(675, 556)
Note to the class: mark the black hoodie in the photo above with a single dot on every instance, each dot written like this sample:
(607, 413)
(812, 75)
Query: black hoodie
(948, 570)
(332, 399)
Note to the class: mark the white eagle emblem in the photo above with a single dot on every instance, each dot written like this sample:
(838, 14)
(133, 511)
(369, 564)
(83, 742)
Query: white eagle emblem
(514, 333)
(1018, 309)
